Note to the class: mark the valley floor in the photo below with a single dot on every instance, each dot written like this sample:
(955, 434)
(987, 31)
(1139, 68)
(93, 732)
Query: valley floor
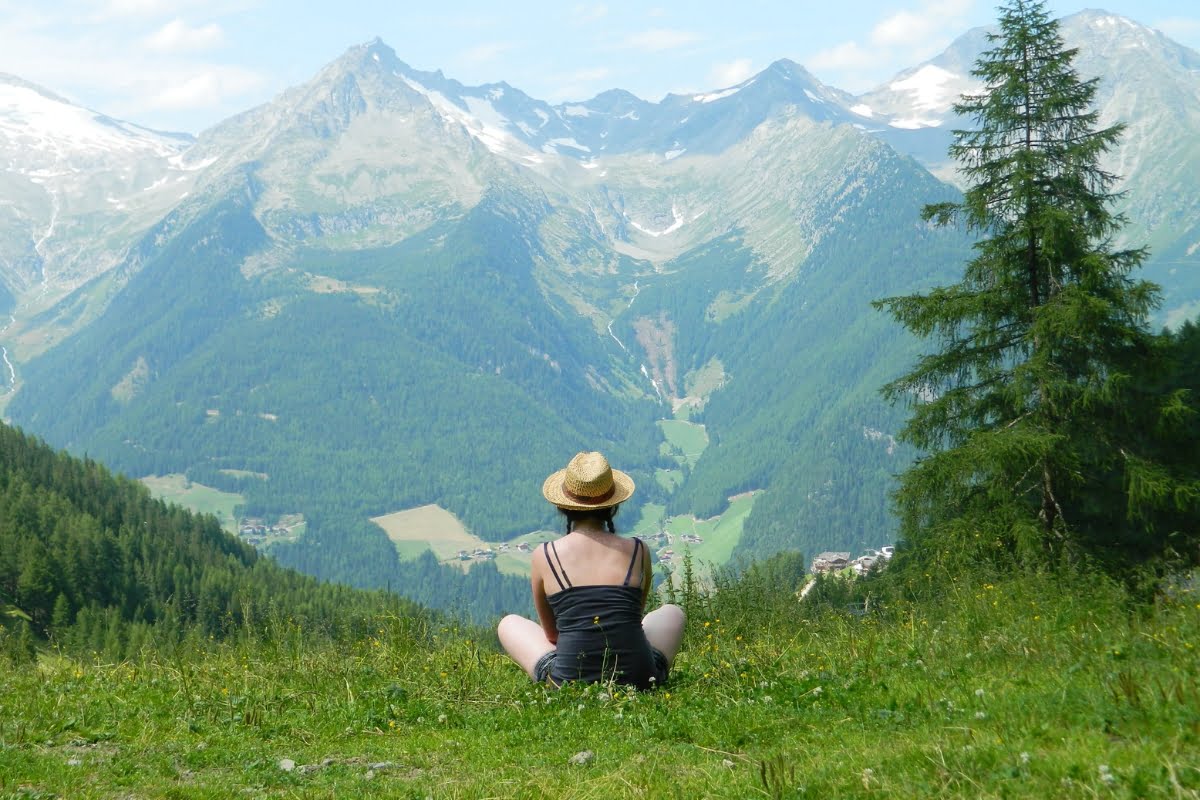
(1020, 689)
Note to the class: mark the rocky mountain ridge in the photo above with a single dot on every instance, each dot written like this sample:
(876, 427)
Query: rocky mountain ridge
(383, 270)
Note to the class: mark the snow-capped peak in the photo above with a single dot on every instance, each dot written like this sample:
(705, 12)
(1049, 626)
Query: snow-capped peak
(39, 119)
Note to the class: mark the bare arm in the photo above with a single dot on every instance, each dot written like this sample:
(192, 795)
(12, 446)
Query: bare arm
(544, 612)
(647, 575)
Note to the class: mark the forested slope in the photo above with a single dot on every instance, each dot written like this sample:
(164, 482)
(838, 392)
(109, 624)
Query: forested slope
(91, 560)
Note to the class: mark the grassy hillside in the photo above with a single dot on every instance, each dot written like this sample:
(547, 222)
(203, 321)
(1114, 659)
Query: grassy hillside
(1027, 688)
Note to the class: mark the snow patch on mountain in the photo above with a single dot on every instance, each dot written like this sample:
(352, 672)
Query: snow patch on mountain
(48, 124)
(179, 162)
(562, 141)
(481, 119)
(914, 123)
(863, 110)
(577, 111)
(674, 226)
(712, 97)
(930, 88)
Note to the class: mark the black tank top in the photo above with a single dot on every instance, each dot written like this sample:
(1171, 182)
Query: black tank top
(600, 634)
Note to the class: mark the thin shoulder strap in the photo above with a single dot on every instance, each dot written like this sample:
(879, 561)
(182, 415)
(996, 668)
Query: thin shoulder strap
(561, 568)
(546, 552)
(637, 548)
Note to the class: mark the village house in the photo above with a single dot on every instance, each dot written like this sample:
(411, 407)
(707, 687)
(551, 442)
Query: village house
(863, 564)
(830, 562)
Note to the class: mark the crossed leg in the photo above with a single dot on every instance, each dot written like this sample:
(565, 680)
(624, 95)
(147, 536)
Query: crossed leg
(526, 642)
(664, 629)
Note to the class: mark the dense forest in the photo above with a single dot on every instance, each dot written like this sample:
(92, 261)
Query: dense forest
(90, 560)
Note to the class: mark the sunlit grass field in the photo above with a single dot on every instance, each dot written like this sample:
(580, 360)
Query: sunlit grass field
(197, 497)
(1027, 688)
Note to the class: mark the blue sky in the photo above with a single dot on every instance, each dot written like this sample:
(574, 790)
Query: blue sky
(187, 64)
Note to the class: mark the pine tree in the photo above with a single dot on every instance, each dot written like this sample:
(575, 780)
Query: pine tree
(1023, 410)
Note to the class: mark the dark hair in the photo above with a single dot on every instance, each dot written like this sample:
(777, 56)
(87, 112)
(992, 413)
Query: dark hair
(602, 515)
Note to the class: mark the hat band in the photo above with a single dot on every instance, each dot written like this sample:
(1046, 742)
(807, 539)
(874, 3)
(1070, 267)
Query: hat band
(584, 500)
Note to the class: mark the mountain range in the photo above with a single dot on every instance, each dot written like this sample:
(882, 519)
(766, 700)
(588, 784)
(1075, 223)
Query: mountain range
(385, 289)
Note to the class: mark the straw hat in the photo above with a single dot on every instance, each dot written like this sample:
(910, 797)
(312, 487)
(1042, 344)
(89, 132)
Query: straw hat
(588, 482)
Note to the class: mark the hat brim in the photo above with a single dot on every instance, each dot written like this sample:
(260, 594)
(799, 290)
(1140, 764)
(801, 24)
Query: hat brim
(553, 491)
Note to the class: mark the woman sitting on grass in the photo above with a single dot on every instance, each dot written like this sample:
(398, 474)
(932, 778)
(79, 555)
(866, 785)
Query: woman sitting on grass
(590, 588)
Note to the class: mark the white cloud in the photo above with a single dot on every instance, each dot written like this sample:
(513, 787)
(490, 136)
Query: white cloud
(730, 73)
(913, 27)
(593, 74)
(486, 52)
(847, 55)
(139, 8)
(900, 39)
(658, 39)
(178, 37)
(585, 14)
(1181, 28)
(208, 89)
(578, 85)
(199, 91)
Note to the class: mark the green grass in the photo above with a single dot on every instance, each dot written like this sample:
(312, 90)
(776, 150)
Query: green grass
(721, 534)
(1021, 689)
(686, 440)
(669, 479)
(197, 497)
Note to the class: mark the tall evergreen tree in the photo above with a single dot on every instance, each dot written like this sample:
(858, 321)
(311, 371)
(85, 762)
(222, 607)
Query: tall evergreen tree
(1024, 409)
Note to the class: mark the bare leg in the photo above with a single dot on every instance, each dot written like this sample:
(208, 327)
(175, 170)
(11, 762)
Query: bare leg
(524, 641)
(664, 629)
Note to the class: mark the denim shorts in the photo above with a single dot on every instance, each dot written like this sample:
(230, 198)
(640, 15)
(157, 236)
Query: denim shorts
(544, 665)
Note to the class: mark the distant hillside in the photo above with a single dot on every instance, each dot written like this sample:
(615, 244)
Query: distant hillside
(384, 289)
(92, 560)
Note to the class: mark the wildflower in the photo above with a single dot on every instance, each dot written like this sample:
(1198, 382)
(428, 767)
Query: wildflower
(596, 620)
(1106, 775)
(1025, 757)
(442, 718)
(979, 692)
(980, 715)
